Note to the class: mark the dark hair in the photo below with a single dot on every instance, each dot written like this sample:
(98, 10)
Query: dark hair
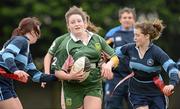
(27, 25)
(153, 28)
(128, 10)
(85, 17)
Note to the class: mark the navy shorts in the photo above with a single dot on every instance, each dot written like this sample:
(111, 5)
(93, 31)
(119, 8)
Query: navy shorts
(6, 88)
(154, 102)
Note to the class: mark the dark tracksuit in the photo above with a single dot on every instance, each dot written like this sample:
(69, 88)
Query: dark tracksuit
(120, 37)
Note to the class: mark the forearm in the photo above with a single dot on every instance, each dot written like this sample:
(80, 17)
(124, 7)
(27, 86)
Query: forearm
(114, 61)
(48, 78)
(47, 63)
(62, 75)
(174, 79)
(38, 76)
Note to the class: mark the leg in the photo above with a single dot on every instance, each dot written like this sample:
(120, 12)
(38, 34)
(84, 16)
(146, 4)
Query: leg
(126, 94)
(93, 96)
(8, 97)
(129, 105)
(74, 96)
(106, 93)
(158, 102)
(116, 100)
(139, 101)
(143, 107)
(91, 102)
(11, 103)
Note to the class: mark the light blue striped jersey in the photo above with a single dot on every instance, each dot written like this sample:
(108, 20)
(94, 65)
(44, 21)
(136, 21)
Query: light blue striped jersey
(15, 55)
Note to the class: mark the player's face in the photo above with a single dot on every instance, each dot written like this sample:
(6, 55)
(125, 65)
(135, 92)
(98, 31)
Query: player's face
(139, 38)
(127, 20)
(76, 25)
(34, 37)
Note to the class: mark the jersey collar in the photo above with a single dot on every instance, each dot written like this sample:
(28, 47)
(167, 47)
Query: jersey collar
(150, 45)
(75, 39)
(26, 38)
(123, 29)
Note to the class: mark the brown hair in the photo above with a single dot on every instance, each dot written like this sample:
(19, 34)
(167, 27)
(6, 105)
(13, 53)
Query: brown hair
(27, 25)
(128, 10)
(153, 28)
(85, 17)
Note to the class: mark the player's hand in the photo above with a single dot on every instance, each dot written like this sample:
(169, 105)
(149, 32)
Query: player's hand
(168, 90)
(109, 41)
(76, 75)
(21, 74)
(43, 84)
(106, 70)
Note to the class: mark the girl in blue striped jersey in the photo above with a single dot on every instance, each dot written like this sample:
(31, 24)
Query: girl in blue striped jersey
(146, 60)
(15, 58)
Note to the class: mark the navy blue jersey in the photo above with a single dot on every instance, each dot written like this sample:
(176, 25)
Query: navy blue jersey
(110, 33)
(15, 55)
(121, 37)
(148, 67)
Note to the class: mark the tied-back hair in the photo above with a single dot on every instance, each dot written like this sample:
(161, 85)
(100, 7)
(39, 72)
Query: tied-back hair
(27, 25)
(153, 28)
(86, 18)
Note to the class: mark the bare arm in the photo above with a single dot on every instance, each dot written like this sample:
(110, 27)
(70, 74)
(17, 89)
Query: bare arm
(47, 63)
(62, 75)
(47, 66)
(106, 70)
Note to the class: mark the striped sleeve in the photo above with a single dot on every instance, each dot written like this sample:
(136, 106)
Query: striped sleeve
(38, 76)
(168, 65)
(11, 51)
(123, 50)
(110, 33)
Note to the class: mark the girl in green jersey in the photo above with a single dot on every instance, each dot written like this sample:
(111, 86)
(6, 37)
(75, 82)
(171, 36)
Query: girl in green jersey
(81, 41)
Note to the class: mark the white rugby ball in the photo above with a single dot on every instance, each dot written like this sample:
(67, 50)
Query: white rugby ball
(82, 64)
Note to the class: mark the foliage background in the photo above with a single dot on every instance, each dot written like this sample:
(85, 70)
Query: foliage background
(103, 13)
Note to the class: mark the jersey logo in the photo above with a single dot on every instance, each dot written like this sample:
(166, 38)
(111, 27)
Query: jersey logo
(150, 62)
(118, 38)
(68, 101)
(98, 46)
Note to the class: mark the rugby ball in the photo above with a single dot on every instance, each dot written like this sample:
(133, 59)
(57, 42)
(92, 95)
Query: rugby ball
(82, 64)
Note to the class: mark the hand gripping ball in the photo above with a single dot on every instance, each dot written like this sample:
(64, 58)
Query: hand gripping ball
(82, 64)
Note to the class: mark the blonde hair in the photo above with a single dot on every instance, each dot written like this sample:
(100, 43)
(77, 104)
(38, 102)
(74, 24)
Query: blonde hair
(153, 28)
(86, 18)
